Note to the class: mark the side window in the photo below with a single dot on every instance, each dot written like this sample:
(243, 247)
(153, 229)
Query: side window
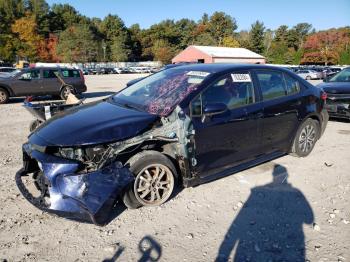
(271, 83)
(25, 76)
(234, 90)
(35, 74)
(292, 85)
(32, 74)
(50, 73)
(65, 73)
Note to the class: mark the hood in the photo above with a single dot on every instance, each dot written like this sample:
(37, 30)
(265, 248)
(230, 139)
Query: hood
(94, 123)
(335, 87)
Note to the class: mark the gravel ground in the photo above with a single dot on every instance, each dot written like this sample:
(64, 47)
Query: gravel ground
(273, 212)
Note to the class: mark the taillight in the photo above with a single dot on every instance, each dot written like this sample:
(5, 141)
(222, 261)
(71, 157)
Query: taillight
(82, 76)
(324, 96)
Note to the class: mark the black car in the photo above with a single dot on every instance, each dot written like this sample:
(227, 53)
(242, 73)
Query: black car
(42, 81)
(337, 88)
(185, 125)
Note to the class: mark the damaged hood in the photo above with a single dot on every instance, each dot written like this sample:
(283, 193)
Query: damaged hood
(94, 123)
(335, 87)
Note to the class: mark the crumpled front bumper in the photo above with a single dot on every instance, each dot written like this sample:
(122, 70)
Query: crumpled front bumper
(85, 197)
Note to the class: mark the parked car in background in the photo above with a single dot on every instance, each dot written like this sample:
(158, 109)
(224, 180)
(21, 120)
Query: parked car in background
(86, 71)
(120, 70)
(309, 74)
(189, 125)
(42, 81)
(337, 88)
(7, 69)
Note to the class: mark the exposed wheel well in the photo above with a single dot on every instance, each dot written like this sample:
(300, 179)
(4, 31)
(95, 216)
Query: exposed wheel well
(8, 90)
(158, 146)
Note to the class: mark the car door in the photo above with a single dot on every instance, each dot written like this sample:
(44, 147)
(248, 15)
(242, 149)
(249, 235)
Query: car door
(231, 137)
(51, 83)
(281, 105)
(28, 83)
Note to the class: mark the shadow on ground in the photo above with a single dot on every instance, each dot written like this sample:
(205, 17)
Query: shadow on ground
(149, 249)
(269, 226)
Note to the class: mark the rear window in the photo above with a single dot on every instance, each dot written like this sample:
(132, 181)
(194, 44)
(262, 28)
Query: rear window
(70, 73)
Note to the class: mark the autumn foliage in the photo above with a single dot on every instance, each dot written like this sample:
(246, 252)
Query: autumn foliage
(326, 47)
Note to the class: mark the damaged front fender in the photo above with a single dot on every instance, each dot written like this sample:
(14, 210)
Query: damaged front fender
(66, 192)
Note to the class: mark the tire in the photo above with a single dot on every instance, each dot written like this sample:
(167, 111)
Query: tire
(65, 91)
(34, 125)
(155, 180)
(308, 78)
(305, 138)
(4, 96)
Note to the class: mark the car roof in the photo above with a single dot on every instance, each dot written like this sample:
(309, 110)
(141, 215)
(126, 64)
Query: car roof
(49, 68)
(217, 68)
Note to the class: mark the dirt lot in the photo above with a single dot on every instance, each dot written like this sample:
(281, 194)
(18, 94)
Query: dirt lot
(306, 200)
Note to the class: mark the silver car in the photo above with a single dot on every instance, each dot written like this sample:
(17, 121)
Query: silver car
(309, 74)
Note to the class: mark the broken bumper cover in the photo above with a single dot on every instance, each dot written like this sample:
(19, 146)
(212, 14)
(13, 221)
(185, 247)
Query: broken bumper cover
(85, 197)
(338, 105)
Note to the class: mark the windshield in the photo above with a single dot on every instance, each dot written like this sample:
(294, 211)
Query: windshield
(160, 93)
(342, 76)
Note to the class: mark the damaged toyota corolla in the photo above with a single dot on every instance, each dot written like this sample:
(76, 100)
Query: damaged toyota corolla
(182, 126)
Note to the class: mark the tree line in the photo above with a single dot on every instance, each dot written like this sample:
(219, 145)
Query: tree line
(59, 33)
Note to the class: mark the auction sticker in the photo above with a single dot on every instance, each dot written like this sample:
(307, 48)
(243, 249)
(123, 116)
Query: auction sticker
(198, 73)
(241, 78)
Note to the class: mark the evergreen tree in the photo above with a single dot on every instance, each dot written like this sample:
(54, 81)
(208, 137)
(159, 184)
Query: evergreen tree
(257, 33)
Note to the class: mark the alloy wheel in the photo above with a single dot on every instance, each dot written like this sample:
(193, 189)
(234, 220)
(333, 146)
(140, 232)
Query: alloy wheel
(307, 138)
(154, 185)
(3, 96)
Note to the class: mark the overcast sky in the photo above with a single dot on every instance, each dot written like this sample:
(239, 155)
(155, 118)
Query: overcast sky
(322, 14)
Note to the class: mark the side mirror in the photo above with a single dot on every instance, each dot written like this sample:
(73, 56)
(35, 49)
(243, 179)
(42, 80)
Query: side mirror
(213, 109)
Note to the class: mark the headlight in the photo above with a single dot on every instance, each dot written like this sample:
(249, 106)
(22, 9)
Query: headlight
(71, 153)
(91, 153)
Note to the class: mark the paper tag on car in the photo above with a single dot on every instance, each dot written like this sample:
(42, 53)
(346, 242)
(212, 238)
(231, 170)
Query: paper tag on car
(198, 73)
(241, 78)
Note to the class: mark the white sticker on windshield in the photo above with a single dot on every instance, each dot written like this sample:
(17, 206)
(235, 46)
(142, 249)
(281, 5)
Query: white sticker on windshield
(198, 73)
(241, 78)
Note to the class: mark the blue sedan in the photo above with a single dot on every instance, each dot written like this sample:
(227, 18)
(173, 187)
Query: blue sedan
(181, 126)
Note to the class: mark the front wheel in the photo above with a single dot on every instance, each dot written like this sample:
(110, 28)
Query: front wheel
(155, 179)
(4, 96)
(305, 138)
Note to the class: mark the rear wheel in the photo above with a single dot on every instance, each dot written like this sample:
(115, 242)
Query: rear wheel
(308, 78)
(65, 91)
(305, 138)
(4, 96)
(155, 177)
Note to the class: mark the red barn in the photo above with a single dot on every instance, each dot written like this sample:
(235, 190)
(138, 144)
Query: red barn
(214, 54)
